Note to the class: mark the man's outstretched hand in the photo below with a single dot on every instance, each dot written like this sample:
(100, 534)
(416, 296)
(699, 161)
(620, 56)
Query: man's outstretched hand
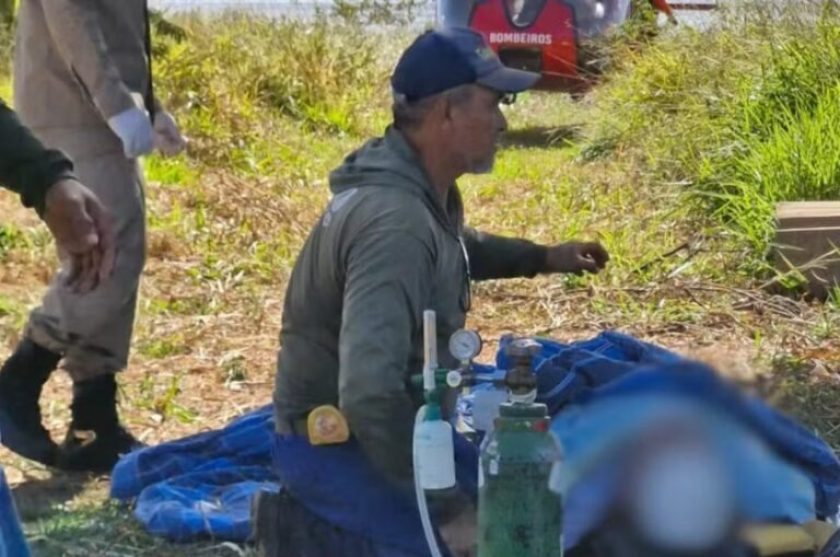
(576, 258)
(83, 230)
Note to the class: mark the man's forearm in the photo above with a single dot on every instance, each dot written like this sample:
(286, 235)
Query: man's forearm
(26, 166)
(496, 257)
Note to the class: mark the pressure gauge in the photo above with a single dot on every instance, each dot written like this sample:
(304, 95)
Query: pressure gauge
(464, 344)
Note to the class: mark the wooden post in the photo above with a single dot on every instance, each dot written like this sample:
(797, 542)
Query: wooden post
(808, 240)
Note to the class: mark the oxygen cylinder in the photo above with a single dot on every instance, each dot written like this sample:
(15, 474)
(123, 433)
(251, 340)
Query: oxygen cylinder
(517, 512)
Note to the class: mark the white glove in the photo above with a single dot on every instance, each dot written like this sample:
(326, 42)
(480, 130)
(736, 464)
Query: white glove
(168, 138)
(135, 131)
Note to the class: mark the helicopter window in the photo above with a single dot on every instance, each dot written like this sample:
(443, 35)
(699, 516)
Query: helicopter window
(523, 13)
(594, 16)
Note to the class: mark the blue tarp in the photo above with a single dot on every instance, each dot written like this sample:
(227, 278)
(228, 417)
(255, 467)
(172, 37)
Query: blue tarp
(200, 486)
(12, 542)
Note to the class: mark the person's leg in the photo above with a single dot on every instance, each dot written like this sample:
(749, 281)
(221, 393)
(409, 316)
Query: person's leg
(96, 439)
(333, 502)
(283, 527)
(21, 379)
(93, 331)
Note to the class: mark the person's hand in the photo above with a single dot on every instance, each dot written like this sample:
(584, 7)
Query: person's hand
(168, 138)
(135, 131)
(83, 230)
(576, 258)
(460, 535)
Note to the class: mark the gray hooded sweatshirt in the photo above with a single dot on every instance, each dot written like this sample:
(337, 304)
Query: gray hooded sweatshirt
(385, 250)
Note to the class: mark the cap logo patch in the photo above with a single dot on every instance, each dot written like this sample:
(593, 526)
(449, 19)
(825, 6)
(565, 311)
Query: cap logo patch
(485, 52)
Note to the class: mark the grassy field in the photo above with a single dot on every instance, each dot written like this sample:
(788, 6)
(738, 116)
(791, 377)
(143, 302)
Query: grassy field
(673, 162)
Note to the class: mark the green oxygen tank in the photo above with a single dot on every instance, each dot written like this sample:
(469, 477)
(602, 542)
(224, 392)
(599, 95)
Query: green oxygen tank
(518, 515)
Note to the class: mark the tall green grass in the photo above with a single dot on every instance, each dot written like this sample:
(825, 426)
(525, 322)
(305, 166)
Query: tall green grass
(739, 116)
(786, 141)
(246, 88)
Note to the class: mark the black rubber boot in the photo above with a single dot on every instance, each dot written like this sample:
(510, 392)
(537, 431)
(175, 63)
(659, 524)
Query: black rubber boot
(95, 440)
(21, 380)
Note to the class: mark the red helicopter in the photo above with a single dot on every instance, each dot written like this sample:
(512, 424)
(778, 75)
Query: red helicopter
(550, 37)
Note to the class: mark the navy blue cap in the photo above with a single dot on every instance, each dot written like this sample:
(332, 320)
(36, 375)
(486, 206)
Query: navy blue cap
(446, 58)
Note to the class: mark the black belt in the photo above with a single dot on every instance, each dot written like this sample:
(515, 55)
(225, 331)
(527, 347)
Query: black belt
(295, 426)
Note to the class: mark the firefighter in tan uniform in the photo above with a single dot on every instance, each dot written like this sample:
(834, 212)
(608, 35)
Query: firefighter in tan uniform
(83, 85)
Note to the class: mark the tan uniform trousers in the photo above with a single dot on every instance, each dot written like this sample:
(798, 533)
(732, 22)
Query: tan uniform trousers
(93, 331)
